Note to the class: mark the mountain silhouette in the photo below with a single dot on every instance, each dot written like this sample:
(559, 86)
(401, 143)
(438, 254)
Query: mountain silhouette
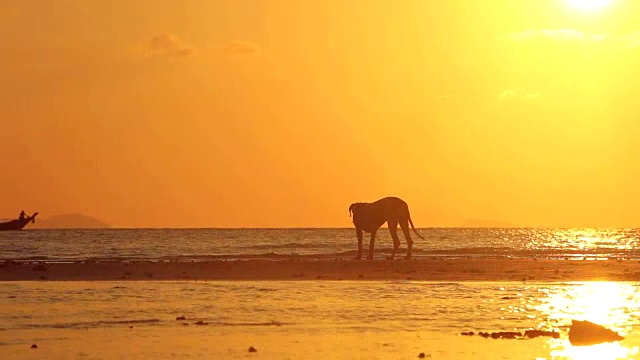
(70, 221)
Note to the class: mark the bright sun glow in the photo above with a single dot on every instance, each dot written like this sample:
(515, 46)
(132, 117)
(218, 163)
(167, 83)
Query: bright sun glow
(604, 303)
(589, 5)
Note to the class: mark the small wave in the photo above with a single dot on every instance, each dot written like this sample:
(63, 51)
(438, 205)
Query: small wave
(458, 251)
(444, 284)
(271, 323)
(34, 258)
(94, 324)
(290, 245)
(469, 250)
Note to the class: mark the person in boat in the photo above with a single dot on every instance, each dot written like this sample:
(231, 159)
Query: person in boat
(22, 215)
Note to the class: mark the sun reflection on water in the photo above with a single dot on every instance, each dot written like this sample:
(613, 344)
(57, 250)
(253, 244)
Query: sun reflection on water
(607, 351)
(585, 243)
(605, 303)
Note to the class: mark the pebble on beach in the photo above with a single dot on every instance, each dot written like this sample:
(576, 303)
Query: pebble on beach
(181, 318)
(513, 334)
(34, 346)
(537, 333)
(252, 349)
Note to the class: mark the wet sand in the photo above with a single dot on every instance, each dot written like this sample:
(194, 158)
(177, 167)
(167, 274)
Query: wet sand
(436, 269)
(211, 343)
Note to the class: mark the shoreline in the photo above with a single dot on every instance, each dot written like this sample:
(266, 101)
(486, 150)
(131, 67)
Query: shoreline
(469, 269)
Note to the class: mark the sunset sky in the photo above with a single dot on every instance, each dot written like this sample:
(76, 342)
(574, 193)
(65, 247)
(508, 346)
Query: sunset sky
(210, 113)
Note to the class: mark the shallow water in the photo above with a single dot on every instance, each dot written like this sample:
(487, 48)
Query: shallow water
(410, 314)
(203, 244)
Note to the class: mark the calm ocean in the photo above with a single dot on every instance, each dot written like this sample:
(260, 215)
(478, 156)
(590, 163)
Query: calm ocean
(207, 244)
(309, 319)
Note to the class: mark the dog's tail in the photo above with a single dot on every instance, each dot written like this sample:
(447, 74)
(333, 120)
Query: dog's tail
(414, 228)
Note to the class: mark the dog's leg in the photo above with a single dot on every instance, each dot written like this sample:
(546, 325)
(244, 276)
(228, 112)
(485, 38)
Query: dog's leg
(371, 244)
(359, 234)
(393, 229)
(407, 235)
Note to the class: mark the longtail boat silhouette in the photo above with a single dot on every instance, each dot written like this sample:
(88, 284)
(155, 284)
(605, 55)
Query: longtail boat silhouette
(18, 223)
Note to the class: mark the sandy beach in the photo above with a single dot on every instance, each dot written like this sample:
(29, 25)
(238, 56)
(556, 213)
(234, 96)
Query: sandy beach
(295, 269)
(203, 343)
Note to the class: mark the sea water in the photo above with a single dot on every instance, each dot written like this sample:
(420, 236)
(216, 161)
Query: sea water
(320, 319)
(310, 319)
(206, 244)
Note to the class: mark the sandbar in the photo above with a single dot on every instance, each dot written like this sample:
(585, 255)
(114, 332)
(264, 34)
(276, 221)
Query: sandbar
(432, 269)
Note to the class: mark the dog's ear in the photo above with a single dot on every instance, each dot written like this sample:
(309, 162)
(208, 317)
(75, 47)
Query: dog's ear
(351, 209)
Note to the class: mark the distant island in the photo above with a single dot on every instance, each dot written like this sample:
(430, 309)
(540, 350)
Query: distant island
(476, 223)
(69, 221)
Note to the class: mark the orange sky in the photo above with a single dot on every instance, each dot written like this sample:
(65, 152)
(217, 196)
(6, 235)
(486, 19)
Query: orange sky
(163, 113)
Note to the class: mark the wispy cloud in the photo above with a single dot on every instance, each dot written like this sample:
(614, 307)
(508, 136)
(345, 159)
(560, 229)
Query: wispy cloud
(506, 94)
(168, 44)
(241, 48)
(631, 40)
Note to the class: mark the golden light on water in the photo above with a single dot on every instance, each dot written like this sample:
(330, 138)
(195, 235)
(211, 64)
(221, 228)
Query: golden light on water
(604, 303)
(607, 351)
(584, 243)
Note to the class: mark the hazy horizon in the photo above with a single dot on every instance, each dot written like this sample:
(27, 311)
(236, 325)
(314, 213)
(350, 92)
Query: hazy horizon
(76, 221)
(226, 114)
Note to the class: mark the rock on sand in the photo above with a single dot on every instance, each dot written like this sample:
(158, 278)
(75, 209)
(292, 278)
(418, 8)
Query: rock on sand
(587, 333)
